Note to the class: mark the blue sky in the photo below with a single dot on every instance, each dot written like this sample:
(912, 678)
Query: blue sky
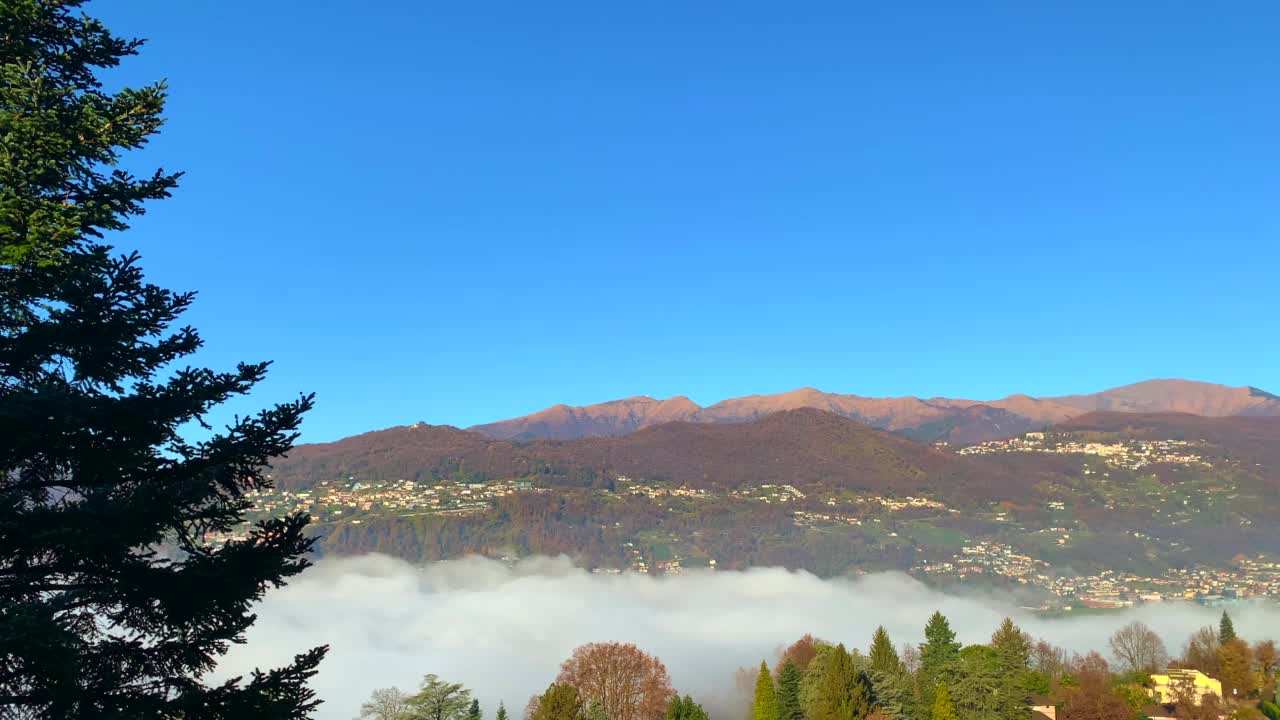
(459, 212)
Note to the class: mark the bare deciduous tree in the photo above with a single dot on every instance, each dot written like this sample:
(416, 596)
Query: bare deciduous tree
(1201, 652)
(1138, 649)
(1048, 659)
(384, 704)
(910, 655)
(630, 683)
(1093, 698)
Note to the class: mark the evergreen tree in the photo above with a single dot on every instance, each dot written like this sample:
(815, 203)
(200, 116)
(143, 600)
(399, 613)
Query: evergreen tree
(559, 702)
(438, 699)
(1012, 647)
(942, 707)
(113, 601)
(685, 709)
(884, 659)
(766, 702)
(789, 707)
(940, 646)
(842, 692)
(980, 687)
(938, 651)
(1226, 629)
(502, 711)
(473, 712)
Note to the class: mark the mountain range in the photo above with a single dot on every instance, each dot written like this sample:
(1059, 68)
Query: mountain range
(955, 420)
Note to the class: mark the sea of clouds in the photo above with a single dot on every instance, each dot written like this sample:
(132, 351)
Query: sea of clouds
(503, 631)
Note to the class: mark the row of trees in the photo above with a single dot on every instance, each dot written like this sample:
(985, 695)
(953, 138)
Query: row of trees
(942, 680)
(939, 679)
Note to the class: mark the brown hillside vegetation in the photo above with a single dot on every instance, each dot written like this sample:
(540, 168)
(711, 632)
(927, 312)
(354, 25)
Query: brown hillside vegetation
(1247, 439)
(800, 447)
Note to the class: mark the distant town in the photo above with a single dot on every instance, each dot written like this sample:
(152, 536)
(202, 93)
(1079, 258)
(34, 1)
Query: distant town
(975, 560)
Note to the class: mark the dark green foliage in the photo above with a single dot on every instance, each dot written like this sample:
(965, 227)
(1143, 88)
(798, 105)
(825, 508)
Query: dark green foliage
(765, 706)
(473, 712)
(61, 135)
(502, 712)
(981, 688)
(940, 646)
(112, 602)
(884, 659)
(894, 694)
(1226, 629)
(789, 707)
(438, 699)
(685, 709)
(1270, 709)
(842, 691)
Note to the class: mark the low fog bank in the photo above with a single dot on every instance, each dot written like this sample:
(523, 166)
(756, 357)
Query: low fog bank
(503, 631)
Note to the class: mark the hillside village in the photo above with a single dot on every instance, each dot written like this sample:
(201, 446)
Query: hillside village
(976, 560)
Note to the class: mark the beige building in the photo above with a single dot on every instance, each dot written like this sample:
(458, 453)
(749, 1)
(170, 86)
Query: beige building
(1165, 687)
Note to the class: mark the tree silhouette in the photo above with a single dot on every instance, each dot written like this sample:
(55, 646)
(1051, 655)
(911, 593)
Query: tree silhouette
(115, 599)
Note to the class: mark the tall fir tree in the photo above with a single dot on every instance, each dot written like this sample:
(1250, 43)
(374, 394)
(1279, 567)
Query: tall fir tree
(473, 712)
(502, 711)
(940, 646)
(943, 709)
(1012, 646)
(939, 650)
(884, 658)
(113, 601)
(789, 707)
(1226, 629)
(766, 702)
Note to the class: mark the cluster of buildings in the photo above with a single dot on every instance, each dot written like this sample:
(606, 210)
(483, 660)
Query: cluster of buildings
(1250, 578)
(334, 500)
(986, 558)
(806, 518)
(1131, 454)
(769, 493)
(656, 491)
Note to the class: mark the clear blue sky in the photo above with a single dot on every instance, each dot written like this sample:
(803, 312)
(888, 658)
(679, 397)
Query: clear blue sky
(458, 212)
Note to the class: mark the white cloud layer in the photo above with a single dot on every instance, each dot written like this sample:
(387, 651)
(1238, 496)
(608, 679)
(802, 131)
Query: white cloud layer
(503, 631)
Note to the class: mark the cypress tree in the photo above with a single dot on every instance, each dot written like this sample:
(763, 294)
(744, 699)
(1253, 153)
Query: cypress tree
(943, 709)
(1226, 629)
(884, 658)
(114, 601)
(789, 707)
(766, 703)
(473, 712)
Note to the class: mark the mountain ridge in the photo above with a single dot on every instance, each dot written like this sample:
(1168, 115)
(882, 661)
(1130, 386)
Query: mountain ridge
(936, 418)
